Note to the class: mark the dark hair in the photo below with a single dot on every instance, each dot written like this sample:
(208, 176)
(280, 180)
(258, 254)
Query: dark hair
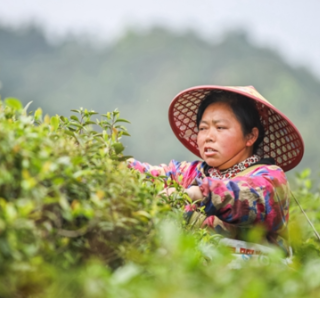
(243, 107)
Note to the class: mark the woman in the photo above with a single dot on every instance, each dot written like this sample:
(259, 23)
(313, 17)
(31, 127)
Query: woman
(246, 145)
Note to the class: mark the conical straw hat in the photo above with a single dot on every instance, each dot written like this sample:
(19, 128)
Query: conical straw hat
(282, 140)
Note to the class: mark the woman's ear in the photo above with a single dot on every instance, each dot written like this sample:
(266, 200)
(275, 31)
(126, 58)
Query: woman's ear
(252, 137)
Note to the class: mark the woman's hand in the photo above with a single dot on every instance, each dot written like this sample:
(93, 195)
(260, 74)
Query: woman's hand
(194, 193)
(167, 191)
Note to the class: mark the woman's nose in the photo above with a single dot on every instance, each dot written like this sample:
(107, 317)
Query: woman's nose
(210, 135)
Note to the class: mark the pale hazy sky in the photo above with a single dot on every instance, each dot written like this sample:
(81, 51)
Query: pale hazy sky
(290, 26)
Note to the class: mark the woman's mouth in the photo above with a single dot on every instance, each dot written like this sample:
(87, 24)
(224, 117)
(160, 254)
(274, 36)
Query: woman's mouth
(210, 152)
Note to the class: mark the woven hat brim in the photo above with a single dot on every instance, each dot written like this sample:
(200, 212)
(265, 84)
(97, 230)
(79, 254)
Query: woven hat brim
(282, 140)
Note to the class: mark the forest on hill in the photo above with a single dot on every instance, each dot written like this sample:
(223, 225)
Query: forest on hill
(141, 72)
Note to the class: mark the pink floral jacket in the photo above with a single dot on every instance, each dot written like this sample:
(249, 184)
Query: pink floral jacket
(259, 195)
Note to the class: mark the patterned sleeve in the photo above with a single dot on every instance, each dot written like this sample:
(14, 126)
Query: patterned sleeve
(182, 172)
(261, 196)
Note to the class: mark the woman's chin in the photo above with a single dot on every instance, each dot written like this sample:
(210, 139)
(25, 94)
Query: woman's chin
(212, 162)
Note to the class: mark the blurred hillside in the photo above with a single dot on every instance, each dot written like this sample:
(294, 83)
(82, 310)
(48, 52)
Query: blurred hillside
(142, 72)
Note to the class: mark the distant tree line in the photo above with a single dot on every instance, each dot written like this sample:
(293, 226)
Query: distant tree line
(141, 73)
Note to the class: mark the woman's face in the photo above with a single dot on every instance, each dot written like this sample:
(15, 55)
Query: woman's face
(220, 139)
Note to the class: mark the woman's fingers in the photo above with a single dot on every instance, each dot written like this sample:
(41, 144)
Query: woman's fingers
(194, 193)
(167, 191)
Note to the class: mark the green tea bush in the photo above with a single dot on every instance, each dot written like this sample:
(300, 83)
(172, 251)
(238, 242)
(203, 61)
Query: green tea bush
(65, 196)
(76, 222)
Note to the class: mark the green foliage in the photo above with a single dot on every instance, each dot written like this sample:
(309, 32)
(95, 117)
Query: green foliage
(66, 196)
(76, 222)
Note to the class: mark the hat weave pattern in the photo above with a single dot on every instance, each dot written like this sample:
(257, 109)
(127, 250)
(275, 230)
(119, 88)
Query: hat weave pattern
(282, 140)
